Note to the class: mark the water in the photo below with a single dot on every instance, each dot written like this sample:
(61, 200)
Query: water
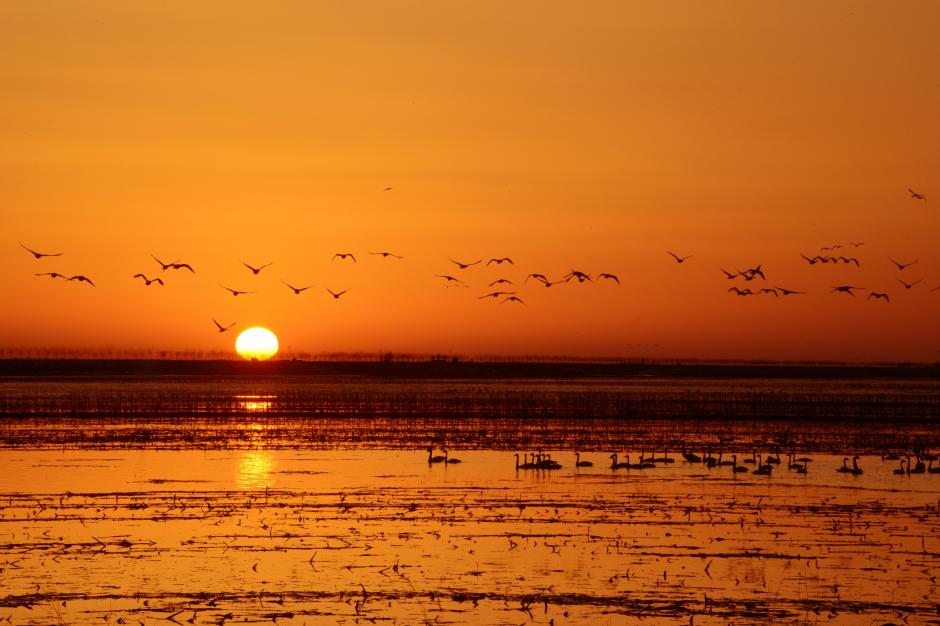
(246, 512)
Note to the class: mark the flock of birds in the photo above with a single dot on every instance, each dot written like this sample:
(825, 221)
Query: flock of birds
(761, 465)
(504, 296)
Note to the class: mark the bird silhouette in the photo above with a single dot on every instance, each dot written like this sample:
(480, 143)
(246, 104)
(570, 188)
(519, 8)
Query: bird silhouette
(450, 279)
(500, 261)
(856, 244)
(335, 294)
(903, 266)
(788, 292)
(52, 275)
(82, 279)
(501, 281)
(769, 290)
(164, 266)
(909, 285)
(679, 259)
(149, 281)
(877, 295)
(513, 299)
(342, 256)
(40, 255)
(740, 292)
(729, 275)
(389, 189)
(848, 260)
(496, 294)
(464, 266)
(612, 277)
(257, 270)
(540, 277)
(234, 292)
(580, 276)
(297, 290)
(221, 328)
(385, 255)
(827, 248)
(176, 265)
(754, 271)
(846, 289)
(917, 196)
(812, 261)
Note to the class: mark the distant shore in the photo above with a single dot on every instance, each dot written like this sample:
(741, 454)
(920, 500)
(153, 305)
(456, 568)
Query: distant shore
(444, 369)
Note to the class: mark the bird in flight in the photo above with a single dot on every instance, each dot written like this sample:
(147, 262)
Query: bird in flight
(501, 281)
(504, 259)
(857, 244)
(769, 290)
(848, 260)
(52, 275)
(221, 328)
(612, 277)
(82, 279)
(342, 256)
(917, 196)
(389, 189)
(450, 279)
(581, 276)
(812, 261)
(297, 290)
(729, 275)
(257, 270)
(903, 266)
(39, 255)
(754, 271)
(846, 289)
(385, 255)
(164, 266)
(540, 277)
(741, 292)
(148, 281)
(827, 248)
(879, 296)
(464, 266)
(497, 294)
(176, 265)
(234, 292)
(788, 292)
(909, 285)
(335, 294)
(513, 299)
(679, 259)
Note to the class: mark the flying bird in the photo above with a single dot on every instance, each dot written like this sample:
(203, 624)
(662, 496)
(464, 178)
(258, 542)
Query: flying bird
(917, 196)
(769, 290)
(879, 296)
(464, 266)
(612, 277)
(342, 256)
(788, 292)
(82, 279)
(257, 270)
(848, 260)
(909, 285)
(149, 281)
(235, 292)
(165, 266)
(729, 275)
(182, 266)
(679, 259)
(337, 295)
(513, 299)
(39, 255)
(221, 328)
(846, 289)
(857, 244)
(741, 292)
(385, 255)
(754, 271)
(501, 281)
(450, 279)
(504, 259)
(52, 275)
(497, 294)
(540, 277)
(389, 189)
(297, 290)
(903, 266)
(581, 276)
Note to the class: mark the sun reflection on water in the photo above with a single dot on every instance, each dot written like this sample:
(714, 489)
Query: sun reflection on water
(255, 403)
(254, 469)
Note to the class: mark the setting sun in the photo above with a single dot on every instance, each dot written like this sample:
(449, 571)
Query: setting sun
(256, 344)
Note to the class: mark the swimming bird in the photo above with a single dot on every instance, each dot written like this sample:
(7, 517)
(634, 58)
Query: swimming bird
(385, 255)
(846, 289)
(526, 465)
(903, 266)
(579, 463)
(82, 279)
(612, 277)
(496, 294)
(614, 465)
(343, 255)
(257, 270)
(450, 279)
(234, 292)
(148, 281)
(297, 290)
(164, 266)
(501, 281)
(450, 461)
(735, 468)
(513, 299)
(464, 266)
(917, 196)
(877, 295)
(909, 285)
(434, 459)
(40, 255)
(691, 457)
(845, 469)
(901, 471)
(679, 259)
(856, 470)
(763, 470)
(335, 294)
(788, 292)
(500, 261)
(221, 328)
(52, 275)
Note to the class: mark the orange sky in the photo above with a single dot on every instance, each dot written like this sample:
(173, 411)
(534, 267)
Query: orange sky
(590, 136)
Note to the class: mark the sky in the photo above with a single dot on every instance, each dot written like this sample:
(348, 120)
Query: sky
(591, 136)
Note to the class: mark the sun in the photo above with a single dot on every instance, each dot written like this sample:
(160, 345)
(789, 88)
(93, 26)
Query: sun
(256, 344)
